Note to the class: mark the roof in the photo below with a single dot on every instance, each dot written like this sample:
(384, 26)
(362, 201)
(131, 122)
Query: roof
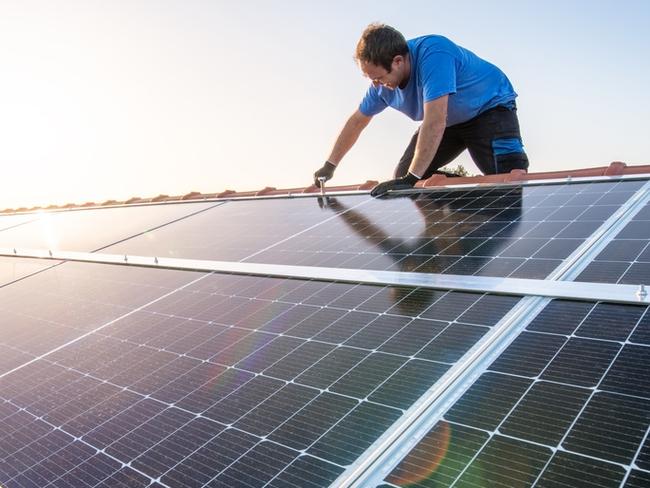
(615, 168)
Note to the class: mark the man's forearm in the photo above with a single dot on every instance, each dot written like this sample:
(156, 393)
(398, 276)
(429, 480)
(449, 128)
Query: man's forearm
(431, 132)
(348, 136)
(425, 149)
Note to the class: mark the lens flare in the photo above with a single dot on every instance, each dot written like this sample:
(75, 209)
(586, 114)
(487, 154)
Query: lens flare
(414, 469)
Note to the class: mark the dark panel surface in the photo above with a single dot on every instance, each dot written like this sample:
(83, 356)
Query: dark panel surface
(214, 380)
(626, 259)
(523, 232)
(553, 410)
(58, 305)
(232, 231)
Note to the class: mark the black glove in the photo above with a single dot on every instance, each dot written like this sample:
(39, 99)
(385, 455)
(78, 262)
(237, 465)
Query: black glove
(403, 183)
(327, 171)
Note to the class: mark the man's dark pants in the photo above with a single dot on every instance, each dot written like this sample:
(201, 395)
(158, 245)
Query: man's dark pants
(492, 139)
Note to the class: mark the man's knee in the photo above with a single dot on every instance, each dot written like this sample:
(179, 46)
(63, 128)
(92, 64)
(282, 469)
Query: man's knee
(508, 154)
(507, 162)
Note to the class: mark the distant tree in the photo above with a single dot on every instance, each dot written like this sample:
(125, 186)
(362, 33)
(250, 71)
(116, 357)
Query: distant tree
(458, 170)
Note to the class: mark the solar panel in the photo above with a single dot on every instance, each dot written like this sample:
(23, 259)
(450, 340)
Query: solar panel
(194, 379)
(626, 259)
(12, 269)
(232, 231)
(10, 221)
(566, 404)
(131, 376)
(69, 230)
(515, 231)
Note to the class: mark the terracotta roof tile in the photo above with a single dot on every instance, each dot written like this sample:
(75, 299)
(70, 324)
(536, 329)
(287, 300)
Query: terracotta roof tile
(616, 168)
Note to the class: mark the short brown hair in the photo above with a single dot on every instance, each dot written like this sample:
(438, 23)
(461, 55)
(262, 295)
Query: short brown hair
(379, 44)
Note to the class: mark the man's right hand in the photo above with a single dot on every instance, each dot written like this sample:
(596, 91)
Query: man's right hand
(327, 171)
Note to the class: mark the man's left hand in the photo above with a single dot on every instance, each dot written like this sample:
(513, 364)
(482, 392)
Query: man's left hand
(403, 183)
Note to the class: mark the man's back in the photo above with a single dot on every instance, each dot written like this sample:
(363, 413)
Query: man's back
(440, 67)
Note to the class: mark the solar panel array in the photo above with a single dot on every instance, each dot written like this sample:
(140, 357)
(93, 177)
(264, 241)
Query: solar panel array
(129, 376)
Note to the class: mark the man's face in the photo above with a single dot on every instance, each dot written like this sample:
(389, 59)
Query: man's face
(379, 76)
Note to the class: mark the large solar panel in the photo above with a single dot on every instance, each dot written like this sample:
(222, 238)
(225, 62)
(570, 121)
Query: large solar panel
(125, 376)
(221, 380)
(566, 404)
(515, 231)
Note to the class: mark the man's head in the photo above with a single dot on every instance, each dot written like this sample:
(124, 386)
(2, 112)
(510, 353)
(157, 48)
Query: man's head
(382, 54)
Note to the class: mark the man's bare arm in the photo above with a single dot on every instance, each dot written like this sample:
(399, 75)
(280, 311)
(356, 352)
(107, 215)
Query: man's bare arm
(348, 136)
(431, 131)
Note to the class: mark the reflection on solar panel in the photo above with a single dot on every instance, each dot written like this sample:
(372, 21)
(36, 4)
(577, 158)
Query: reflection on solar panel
(128, 376)
(523, 232)
(232, 231)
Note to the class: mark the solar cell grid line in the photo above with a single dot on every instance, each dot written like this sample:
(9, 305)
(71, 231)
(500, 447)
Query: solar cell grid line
(516, 231)
(117, 394)
(93, 229)
(598, 426)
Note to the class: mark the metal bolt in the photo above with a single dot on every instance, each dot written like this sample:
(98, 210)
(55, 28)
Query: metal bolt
(155, 260)
(641, 292)
(322, 180)
(126, 260)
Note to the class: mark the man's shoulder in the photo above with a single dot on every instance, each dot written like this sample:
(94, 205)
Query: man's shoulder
(432, 41)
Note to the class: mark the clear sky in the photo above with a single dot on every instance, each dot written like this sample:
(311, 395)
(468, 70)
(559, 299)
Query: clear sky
(108, 99)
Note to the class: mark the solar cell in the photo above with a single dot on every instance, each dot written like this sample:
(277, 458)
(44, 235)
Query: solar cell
(553, 409)
(214, 380)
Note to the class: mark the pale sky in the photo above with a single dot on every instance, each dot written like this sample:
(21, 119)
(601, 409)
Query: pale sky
(104, 99)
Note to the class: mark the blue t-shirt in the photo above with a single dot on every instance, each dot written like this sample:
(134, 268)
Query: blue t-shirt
(440, 67)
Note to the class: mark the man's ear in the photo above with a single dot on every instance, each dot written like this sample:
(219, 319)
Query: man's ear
(397, 60)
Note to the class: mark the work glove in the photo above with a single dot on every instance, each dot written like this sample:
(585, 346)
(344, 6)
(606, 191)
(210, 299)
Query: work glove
(403, 183)
(326, 171)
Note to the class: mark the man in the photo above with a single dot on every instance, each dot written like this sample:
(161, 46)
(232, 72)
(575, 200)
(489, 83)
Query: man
(463, 101)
